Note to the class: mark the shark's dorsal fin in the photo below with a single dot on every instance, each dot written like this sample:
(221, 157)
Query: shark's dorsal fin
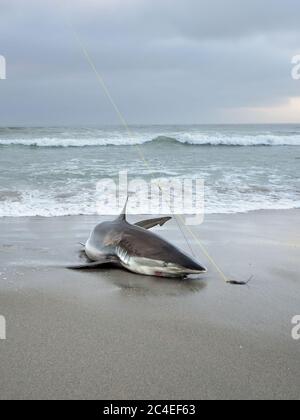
(123, 214)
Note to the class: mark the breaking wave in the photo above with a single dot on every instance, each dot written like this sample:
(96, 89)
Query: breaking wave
(185, 139)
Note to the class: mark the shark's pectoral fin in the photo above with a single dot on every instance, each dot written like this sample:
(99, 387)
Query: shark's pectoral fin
(95, 264)
(148, 224)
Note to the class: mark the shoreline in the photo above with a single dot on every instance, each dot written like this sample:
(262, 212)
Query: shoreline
(94, 215)
(109, 334)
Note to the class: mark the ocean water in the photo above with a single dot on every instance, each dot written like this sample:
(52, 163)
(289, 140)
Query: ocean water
(54, 171)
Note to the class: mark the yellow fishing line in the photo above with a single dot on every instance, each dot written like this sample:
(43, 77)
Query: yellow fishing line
(129, 131)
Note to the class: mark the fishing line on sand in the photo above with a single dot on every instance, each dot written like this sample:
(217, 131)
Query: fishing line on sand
(178, 218)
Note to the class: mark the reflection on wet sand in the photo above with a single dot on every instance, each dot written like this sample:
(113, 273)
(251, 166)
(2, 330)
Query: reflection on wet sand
(138, 285)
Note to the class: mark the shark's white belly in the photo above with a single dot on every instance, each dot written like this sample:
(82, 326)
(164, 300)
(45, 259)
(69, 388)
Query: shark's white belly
(153, 268)
(149, 267)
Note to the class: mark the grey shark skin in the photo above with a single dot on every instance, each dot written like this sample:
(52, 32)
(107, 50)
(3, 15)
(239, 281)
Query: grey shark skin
(137, 249)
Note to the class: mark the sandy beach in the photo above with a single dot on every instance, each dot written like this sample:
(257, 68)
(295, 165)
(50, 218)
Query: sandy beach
(109, 334)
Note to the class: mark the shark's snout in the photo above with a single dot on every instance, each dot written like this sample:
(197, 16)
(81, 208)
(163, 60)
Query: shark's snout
(191, 266)
(194, 270)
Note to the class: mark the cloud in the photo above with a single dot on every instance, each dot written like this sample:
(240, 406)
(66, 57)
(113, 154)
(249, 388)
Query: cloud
(164, 61)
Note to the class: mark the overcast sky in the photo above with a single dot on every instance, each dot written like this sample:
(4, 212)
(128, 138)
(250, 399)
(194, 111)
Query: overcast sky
(164, 61)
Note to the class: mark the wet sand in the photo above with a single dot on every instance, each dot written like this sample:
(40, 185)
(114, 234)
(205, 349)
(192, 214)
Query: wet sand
(109, 334)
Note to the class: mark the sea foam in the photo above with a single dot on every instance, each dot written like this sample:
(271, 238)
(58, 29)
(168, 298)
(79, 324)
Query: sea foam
(183, 138)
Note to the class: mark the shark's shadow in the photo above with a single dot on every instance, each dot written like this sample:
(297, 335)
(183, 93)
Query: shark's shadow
(137, 285)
